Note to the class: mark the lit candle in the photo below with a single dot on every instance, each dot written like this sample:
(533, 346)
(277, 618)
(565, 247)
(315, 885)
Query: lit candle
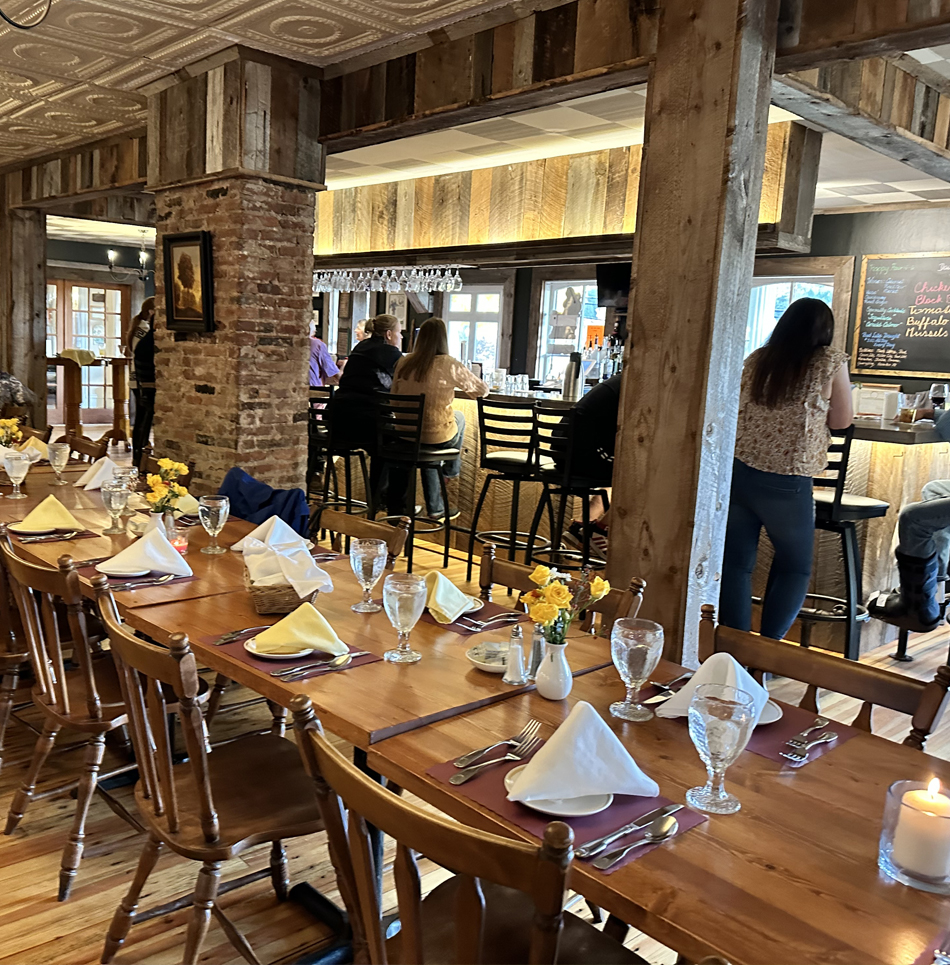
(180, 543)
(922, 836)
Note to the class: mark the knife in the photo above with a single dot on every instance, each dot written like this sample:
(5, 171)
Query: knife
(659, 698)
(592, 848)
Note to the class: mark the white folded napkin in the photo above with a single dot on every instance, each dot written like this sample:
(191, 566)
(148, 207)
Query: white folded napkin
(273, 532)
(151, 552)
(720, 668)
(304, 627)
(583, 756)
(34, 445)
(269, 564)
(99, 472)
(50, 514)
(34, 455)
(446, 602)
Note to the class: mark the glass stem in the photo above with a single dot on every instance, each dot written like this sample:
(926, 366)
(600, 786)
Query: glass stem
(367, 595)
(717, 778)
(403, 641)
(631, 694)
(214, 541)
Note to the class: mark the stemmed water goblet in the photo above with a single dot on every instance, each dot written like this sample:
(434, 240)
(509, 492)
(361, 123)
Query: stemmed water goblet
(721, 719)
(635, 648)
(17, 465)
(213, 512)
(368, 559)
(58, 453)
(115, 497)
(128, 475)
(404, 599)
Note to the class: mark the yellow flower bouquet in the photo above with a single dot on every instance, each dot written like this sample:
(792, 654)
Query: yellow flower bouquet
(10, 432)
(557, 600)
(164, 492)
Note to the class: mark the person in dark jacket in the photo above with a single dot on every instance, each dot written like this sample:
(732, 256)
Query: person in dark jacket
(143, 359)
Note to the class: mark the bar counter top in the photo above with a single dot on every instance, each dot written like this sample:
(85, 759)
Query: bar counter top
(901, 434)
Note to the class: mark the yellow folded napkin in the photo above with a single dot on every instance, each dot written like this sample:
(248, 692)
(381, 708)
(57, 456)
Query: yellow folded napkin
(50, 514)
(81, 356)
(37, 444)
(187, 505)
(304, 627)
(446, 602)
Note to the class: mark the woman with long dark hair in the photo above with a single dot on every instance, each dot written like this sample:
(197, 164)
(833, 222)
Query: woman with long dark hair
(794, 389)
(432, 372)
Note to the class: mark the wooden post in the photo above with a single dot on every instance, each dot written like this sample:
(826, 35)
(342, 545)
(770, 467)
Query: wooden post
(120, 399)
(72, 396)
(701, 178)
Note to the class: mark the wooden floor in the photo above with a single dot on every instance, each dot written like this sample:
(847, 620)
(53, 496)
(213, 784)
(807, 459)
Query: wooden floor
(35, 929)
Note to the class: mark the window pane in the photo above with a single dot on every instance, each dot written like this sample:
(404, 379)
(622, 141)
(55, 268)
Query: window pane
(97, 297)
(80, 298)
(80, 323)
(97, 397)
(487, 302)
(50, 296)
(113, 301)
(486, 343)
(458, 339)
(81, 342)
(460, 303)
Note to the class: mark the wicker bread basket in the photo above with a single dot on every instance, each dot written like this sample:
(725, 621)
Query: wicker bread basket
(279, 598)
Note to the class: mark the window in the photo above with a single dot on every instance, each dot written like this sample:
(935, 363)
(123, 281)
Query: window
(570, 320)
(474, 324)
(771, 296)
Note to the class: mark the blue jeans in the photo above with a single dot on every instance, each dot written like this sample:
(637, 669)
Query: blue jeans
(785, 507)
(924, 528)
(431, 489)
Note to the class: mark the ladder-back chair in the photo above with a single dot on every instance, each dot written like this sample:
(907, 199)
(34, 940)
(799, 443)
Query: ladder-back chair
(82, 449)
(922, 701)
(43, 435)
(356, 527)
(149, 464)
(13, 654)
(503, 903)
(211, 807)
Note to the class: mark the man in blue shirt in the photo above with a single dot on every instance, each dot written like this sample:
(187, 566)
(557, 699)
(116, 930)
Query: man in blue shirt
(323, 370)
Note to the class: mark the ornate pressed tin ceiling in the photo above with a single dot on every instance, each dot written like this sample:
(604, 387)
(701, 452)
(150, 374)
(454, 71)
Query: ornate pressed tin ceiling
(74, 78)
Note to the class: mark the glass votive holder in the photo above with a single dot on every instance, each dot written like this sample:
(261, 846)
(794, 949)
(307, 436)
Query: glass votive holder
(915, 836)
(180, 540)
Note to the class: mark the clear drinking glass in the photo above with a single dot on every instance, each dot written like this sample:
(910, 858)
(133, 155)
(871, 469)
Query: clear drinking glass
(58, 460)
(635, 647)
(213, 512)
(115, 497)
(129, 475)
(404, 599)
(721, 719)
(17, 465)
(368, 559)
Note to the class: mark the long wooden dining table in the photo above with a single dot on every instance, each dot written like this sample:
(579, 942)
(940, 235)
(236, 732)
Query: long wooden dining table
(791, 878)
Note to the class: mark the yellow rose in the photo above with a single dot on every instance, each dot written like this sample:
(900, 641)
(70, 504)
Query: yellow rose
(154, 480)
(598, 588)
(541, 575)
(153, 498)
(558, 594)
(181, 468)
(544, 613)
(165, 464)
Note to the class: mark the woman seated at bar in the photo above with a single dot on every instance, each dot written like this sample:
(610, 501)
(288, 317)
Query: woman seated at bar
(794, 389)
(432, 372)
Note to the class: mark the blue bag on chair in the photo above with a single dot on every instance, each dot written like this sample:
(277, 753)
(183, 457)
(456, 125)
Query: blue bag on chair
(256, 502)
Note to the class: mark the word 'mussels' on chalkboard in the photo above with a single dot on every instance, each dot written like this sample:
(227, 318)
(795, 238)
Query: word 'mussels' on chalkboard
(903, 315)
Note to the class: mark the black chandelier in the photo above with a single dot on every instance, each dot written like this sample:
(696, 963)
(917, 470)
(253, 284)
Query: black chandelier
(27, 25)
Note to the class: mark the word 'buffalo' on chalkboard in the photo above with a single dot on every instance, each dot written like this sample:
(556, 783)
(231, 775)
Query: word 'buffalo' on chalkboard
(903, 315)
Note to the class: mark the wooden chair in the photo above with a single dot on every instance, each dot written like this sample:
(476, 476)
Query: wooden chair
(922, 701)
(503, 903)
(211, 807)
(13, 654)
(82, 449)
(28, 432)
(86, 698)
(149, 464)
(356, 527)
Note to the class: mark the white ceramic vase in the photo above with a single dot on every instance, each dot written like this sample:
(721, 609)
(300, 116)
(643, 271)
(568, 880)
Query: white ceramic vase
(554, 680)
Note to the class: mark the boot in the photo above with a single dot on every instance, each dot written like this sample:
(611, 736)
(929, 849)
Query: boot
(914, 606)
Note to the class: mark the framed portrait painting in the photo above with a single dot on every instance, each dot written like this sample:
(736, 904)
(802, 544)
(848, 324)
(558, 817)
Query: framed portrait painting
(189, 291)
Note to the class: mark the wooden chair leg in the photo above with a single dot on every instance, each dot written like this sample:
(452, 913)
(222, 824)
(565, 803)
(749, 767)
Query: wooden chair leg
(221, 682)
(279, 875)
(616, 928)
(206, 890)
(23, 797)
(8, 686)
(72, 853)
(279, 723)
(122, 919)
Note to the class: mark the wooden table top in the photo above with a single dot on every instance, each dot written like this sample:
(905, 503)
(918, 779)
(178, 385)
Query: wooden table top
(792, 877)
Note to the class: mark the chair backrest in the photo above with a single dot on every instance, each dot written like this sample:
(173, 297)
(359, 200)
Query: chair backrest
(41, 593)
(617, 603)
(349, 801)
(399, 426)
(85, 450)
(149, 464)
(836, 472)
(28, 432)
(143, 667)
(501, 572)
(554, 437)
(356, 527)
(922, 701)
(319, 409)
(507, 425)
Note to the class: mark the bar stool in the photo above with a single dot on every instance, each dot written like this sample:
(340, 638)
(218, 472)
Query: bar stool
(321, 444)
(399, 443)
(839, 512)
(556, 467)
(509, 427)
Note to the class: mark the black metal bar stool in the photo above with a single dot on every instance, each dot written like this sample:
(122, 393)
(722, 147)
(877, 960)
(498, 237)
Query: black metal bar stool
(399, 443)
(557, 466)
(837, 511)
(507, 428)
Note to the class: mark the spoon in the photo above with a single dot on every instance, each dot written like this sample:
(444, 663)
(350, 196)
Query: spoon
(335, 664)
(661, 829)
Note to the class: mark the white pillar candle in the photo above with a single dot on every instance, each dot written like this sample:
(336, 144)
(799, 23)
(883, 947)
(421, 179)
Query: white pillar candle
(922, 836)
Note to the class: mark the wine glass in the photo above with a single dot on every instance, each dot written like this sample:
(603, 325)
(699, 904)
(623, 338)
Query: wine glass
(213, 512)
(635, 647)
(368, 559)
(128, 475)
(721, 719)
(17, 465)
(115, 497)
(58, 460)
(404, 598)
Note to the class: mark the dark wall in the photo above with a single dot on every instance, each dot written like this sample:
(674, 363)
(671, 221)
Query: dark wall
(89, 253)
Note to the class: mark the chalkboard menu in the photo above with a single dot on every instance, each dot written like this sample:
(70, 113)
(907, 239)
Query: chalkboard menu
(903, 315)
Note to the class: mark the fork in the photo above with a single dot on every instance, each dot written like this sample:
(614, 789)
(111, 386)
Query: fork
(51, 538)
(234, 634)
(499, 620)
(800, 754)
(799, 739)
(530, 730)
(131, 584)
(519, 753)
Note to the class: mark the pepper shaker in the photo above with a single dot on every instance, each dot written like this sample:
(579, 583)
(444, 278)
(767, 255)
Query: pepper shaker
(537, 651)
(514, 670)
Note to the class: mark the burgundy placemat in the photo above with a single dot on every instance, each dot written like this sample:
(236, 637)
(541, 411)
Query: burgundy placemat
(90, 571)
(488, 789)
(85, 534)
(926, 957)
(488, 610)
(769, 740)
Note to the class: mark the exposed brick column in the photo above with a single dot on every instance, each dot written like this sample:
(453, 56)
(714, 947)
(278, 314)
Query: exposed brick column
(238, 396)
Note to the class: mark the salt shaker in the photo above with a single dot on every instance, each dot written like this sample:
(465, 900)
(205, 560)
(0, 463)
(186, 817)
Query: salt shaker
(537, 651)
(514, 670)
